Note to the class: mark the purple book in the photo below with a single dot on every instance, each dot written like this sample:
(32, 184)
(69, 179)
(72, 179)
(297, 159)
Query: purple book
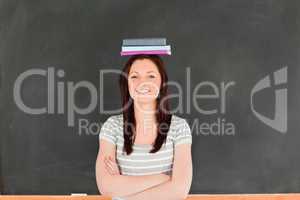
(160, 52)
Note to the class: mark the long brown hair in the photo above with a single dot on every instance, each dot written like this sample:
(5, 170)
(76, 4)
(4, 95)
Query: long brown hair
(162, 112)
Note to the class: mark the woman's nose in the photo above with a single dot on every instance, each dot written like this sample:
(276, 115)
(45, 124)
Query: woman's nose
(143, 80)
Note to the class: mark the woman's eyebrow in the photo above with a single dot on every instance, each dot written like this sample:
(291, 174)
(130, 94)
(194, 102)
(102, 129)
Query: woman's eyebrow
(150, 71)
(137, 72)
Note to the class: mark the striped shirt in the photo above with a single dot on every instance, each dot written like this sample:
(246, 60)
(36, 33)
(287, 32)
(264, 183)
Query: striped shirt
(140, 161)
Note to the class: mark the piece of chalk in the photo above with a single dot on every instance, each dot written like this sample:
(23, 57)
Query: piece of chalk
(78, 194)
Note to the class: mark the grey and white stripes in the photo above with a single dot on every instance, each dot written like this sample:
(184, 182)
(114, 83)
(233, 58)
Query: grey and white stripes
(140, 161)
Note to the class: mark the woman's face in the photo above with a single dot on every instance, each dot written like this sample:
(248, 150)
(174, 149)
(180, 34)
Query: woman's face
(144, 81)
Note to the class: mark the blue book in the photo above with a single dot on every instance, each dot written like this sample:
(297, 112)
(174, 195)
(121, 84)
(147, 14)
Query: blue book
(145, 42)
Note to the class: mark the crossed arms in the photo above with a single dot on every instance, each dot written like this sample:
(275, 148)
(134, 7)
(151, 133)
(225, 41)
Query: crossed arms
(159, 186)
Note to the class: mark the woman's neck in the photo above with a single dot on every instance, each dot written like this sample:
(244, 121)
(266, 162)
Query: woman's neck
(145, 115)
(145, 112)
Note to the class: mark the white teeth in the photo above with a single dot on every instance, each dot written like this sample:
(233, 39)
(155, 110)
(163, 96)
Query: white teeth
(143, 91)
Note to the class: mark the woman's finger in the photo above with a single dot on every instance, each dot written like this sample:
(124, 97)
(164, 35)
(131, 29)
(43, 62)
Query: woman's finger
(116, 168)
(112, 161)
(108, 164)
(113, 164)
(109, 168)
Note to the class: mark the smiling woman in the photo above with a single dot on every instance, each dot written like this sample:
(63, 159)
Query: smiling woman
(145, 152)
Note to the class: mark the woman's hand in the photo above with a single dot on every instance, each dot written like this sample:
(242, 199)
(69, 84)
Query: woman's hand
(111, 166)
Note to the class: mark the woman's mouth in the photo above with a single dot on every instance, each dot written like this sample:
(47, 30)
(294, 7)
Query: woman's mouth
(143, 91)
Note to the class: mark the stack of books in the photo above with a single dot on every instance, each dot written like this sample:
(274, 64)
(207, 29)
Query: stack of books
(135, 46)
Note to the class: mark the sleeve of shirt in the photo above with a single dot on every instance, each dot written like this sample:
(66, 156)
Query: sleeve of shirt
(183, 133)
(108, 131)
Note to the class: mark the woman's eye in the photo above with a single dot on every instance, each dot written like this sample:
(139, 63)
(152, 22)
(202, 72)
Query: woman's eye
(152, 76)
(133, 77)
